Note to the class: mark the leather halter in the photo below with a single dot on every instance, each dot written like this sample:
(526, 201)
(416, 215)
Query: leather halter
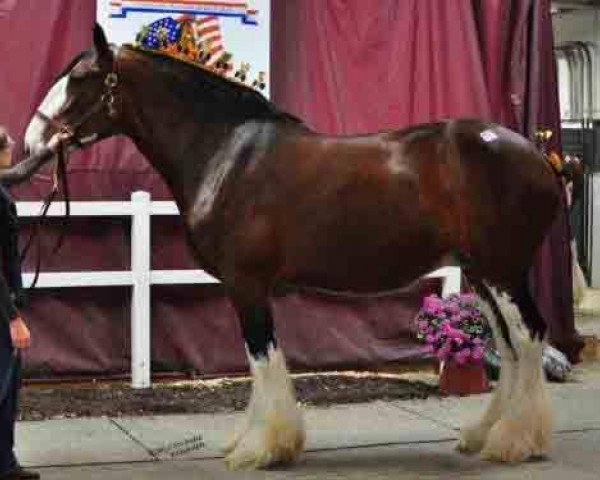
(106, 100)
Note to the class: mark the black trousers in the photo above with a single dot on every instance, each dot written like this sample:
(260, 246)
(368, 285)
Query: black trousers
(8, 407)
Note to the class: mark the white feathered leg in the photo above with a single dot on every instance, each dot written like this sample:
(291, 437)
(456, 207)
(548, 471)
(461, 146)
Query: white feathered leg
(473, 438)
(518, 423)
(272, 431)
(525, 428)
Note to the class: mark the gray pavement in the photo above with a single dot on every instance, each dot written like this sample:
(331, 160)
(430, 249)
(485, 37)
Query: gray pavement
(380, 440)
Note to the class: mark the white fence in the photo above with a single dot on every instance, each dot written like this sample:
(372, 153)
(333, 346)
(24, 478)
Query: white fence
(140, 277)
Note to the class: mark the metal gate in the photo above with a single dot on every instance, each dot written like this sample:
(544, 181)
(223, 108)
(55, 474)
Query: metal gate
(579, 76)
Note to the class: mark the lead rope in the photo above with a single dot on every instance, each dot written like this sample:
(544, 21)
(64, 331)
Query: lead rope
(59, 175)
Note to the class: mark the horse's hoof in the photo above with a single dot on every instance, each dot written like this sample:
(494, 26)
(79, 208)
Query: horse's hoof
(510, 442)
(274, 444)
(472, 439)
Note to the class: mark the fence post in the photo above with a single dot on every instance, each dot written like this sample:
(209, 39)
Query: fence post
(451, 281)
(140, 299)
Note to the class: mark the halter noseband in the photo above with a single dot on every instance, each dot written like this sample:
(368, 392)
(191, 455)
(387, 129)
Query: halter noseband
(107, 100)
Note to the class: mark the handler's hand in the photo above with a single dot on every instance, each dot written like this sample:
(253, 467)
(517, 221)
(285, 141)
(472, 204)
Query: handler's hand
(57, 139)
(19, 333)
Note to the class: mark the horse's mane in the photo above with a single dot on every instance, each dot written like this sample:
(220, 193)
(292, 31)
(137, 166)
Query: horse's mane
(231, 95)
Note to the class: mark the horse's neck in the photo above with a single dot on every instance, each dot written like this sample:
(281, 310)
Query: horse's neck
(179, 149)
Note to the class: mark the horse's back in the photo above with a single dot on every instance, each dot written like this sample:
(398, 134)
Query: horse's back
(509, 196)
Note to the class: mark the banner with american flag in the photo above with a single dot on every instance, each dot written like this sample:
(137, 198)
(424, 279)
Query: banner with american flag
(231, 37)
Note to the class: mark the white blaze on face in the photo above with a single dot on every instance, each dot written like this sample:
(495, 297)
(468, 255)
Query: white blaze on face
(50, 106)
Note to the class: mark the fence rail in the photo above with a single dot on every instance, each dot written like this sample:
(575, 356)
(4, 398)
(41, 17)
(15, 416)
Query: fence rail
(140, 277)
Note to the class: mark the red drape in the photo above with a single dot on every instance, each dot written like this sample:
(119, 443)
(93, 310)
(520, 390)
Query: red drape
(345, 67)
(353, 66)
(350, 66)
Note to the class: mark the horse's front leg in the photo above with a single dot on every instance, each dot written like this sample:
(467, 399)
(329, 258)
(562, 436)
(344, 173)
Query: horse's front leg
(272, 431)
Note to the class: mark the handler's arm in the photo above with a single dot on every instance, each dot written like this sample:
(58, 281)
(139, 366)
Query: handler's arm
(23, 170)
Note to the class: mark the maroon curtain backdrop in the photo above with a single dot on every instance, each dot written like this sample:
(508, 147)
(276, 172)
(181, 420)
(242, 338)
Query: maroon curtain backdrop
(552, 274)
(350, 66)
(344, 66)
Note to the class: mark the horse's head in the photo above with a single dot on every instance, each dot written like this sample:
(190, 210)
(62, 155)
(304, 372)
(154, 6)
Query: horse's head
(82, 99)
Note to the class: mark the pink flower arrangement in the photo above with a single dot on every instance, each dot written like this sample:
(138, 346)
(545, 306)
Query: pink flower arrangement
(453, 328)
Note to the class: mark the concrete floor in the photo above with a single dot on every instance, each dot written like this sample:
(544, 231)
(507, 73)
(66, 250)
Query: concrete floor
(400, 440)
(380, 440)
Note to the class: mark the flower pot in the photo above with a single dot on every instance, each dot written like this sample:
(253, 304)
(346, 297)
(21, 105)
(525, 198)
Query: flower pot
(467, 379)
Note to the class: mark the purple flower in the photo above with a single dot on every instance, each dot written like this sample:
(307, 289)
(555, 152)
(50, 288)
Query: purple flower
(460, 359)
(462, 356)
(443, 353)
(477, 353)
(453, 327)
(468, 297)
(453, 308)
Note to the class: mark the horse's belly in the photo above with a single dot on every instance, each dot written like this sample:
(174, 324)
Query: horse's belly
(355, 267)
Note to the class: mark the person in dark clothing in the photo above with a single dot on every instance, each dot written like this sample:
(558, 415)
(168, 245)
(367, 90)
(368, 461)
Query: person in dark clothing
(14, 333)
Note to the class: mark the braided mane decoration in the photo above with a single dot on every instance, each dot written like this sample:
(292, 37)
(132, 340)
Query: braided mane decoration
(179, 39)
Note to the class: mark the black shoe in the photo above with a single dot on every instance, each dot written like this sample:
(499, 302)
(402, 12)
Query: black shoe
(19, 473)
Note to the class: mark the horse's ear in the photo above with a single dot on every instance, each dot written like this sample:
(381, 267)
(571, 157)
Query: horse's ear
(101, 46)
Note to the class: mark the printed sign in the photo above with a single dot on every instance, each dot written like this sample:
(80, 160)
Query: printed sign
(230, 37)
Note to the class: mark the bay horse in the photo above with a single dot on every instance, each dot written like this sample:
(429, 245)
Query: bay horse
(267, 202)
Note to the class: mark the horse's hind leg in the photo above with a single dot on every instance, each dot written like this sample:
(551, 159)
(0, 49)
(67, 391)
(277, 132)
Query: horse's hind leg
(272, 431)
(473, 438)
(524, 429)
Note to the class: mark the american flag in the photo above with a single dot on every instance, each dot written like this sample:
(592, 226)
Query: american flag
(208, 30)
(167, 26)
